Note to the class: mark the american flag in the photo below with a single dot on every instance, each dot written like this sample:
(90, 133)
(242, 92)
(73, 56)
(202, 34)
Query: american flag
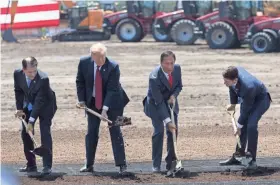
(29, 14)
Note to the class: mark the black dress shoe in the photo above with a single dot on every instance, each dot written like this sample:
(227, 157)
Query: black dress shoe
(230, 161)
(28, 169)
(123, 169)
(46, 171)
(86, 169)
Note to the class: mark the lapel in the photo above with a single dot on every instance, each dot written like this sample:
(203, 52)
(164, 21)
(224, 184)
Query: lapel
(91, 70)
(33, 83)
(164, 79)
(104, 70)
(173, 79)
(24, 82)
(238, 85)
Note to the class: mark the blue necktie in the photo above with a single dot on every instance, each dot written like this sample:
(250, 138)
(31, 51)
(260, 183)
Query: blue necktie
(29, 106)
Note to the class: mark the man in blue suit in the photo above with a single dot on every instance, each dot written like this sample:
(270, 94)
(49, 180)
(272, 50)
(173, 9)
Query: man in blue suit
(165, 85)
(255, 101)
(99, 88)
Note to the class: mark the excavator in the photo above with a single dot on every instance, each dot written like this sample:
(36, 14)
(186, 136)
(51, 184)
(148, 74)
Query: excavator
(86, 22)
(7, 35)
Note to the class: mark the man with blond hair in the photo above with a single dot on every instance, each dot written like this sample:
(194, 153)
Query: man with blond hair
(99, 88)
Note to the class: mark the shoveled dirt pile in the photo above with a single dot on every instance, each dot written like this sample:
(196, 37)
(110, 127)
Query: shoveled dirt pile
(143, 178)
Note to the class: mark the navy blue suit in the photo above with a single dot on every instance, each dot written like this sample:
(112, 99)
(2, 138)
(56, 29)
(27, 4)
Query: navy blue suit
(114, 97)
(44, 107)
(156, 108)
(255, 101)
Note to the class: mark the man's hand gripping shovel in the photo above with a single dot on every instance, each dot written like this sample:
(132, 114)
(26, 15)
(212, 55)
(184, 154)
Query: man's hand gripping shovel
(244, 159)
(120, 121)
(176, 165)
(231, 113)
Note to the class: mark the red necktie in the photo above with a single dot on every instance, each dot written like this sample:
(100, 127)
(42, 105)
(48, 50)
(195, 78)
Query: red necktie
(170, 80)
(98, 89)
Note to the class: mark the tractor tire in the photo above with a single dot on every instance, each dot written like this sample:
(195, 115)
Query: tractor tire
(221, 36)
(182, 32)
(160, 37)
(263, 43)
(129, 30)
(107, 35)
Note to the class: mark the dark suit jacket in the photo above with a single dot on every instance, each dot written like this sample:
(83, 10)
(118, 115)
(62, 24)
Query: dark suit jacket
(155, 103)
(250, 90)
(114, 96)
(39, 94)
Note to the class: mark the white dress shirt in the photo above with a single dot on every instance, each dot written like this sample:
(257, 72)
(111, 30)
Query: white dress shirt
(168, 119)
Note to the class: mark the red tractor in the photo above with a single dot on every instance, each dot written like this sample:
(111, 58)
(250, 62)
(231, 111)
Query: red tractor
(180, 24)
(227, 28)
(132, 24)
(264, 36)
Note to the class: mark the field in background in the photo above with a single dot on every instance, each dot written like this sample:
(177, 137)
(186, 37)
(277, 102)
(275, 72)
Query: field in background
(205, 128)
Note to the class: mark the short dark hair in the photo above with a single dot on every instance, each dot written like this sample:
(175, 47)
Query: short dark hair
(166, 54)
(230, 73)
(29, 61)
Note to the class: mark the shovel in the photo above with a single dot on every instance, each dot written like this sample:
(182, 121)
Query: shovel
(40, 151)
(120, 121)
(245, 160)
(176, 165)
(234, 127)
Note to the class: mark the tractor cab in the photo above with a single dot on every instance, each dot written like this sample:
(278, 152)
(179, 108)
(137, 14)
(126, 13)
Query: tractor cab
(239, 10)
(197, 8)
(145, 9)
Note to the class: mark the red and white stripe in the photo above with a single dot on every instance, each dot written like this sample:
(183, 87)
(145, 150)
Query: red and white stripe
(30, 14)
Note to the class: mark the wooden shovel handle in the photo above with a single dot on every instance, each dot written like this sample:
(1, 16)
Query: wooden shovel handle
(173, 130)
(29, 132)
(96, 114)
(234, 127)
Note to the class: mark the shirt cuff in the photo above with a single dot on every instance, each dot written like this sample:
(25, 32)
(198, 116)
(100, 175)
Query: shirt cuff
(105, 108)
(238, 125)
(31, 120)
(167, 120)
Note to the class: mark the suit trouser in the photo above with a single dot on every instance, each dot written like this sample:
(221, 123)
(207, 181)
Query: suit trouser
(249, 132)
(157, 143)
(46, 141)
(93, 136)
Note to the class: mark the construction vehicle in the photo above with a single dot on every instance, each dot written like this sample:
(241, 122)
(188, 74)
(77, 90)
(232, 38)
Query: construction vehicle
(132, 24)
(180, 24)
(264, 36)
(85, 24)
(65, 5)
(227, 27)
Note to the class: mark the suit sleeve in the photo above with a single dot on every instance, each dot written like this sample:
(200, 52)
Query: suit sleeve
(247, 104)
(179, 86)
(233, 96)
(19, 94)
(41, 98)
(80, 84)
(159, 101)
(112, 86)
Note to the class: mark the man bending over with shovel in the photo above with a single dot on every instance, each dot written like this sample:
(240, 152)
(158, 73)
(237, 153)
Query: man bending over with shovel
(255, 101)
(34, 98)
(165, 84)
(99, 89)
